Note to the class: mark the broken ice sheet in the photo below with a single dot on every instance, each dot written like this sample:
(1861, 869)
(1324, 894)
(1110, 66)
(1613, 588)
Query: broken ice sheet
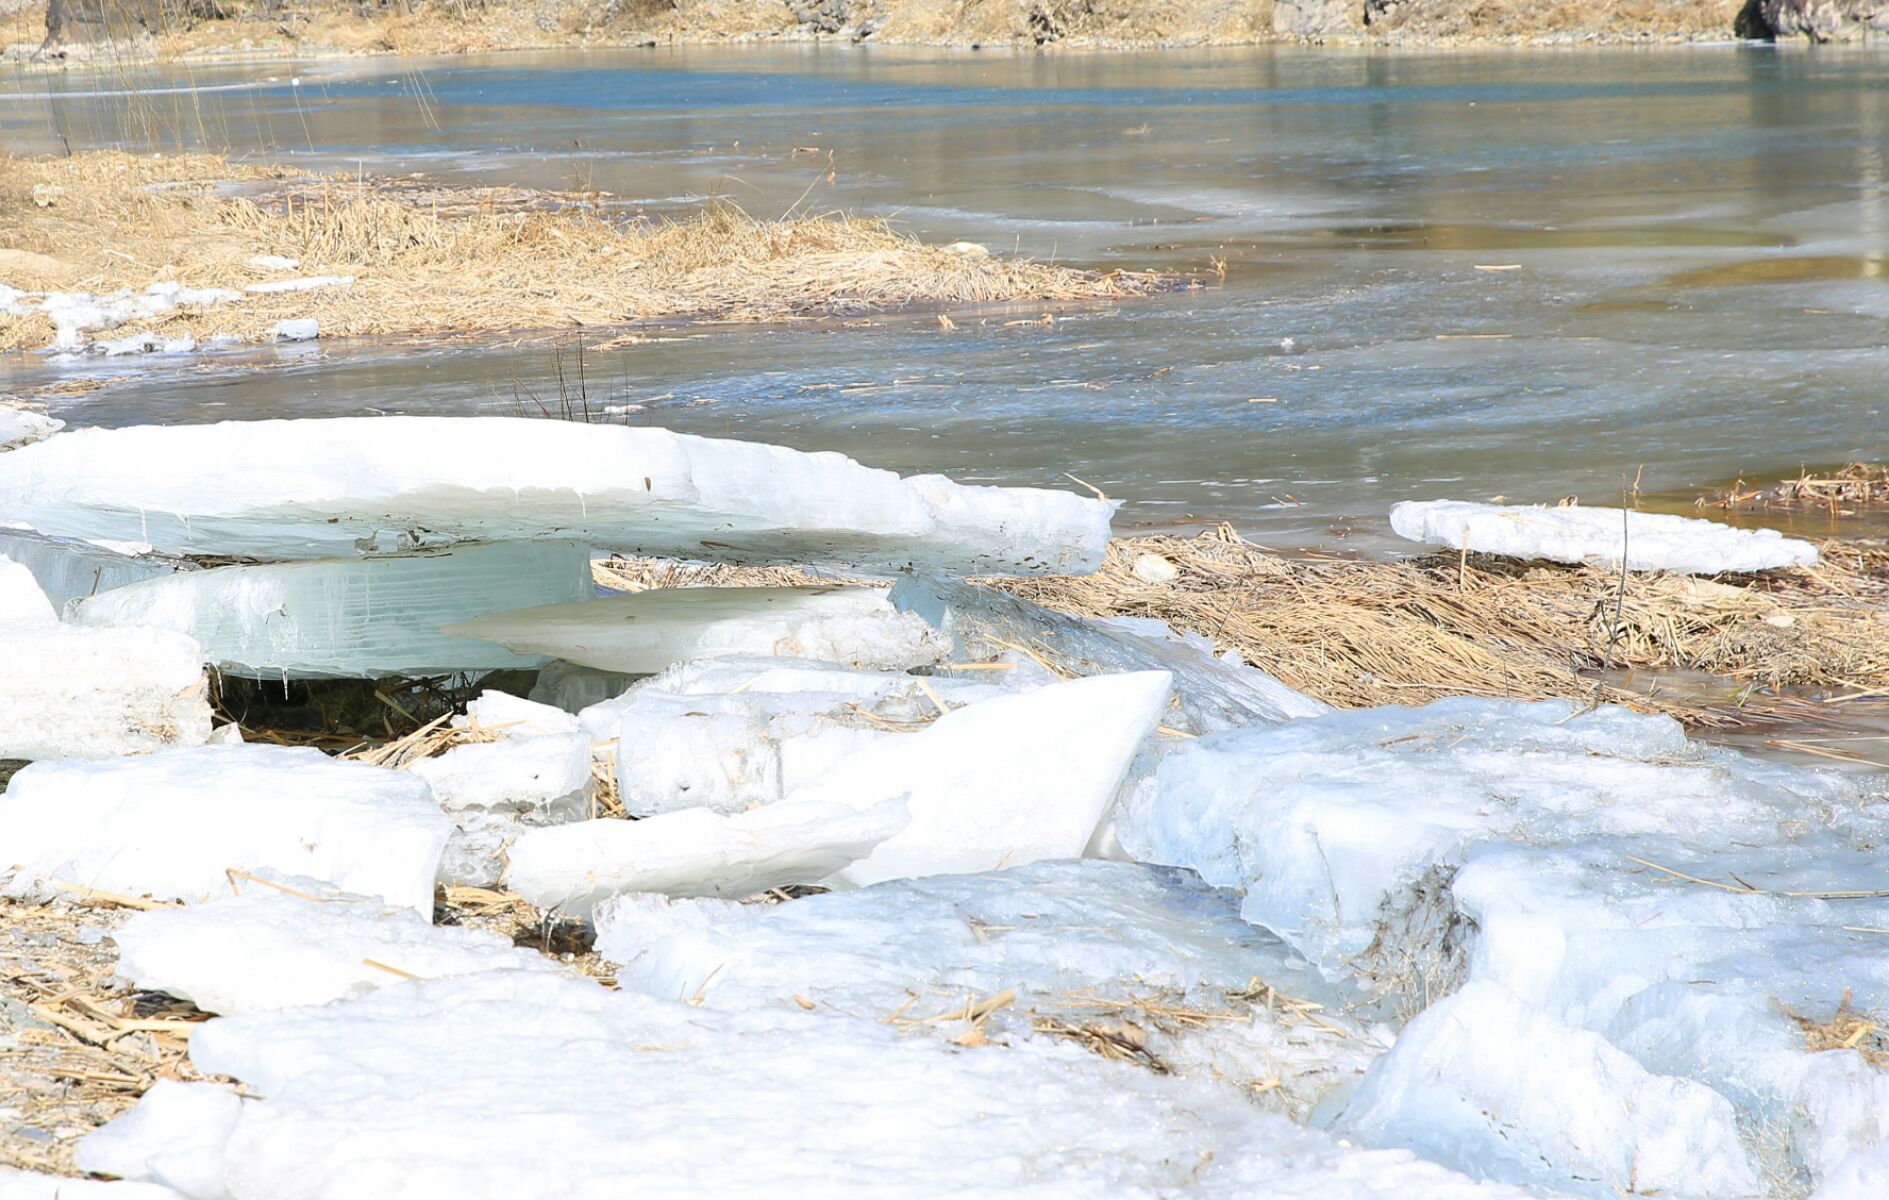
(1141, 963)
(1212, 692)
(557, 1101)
(91, 693)
(350, 618)
(1575, 534)
(307, 943)
(649, 631)
(1344, 830)
(68, 570)
(730, 733)
(326, 487)
(173, 824)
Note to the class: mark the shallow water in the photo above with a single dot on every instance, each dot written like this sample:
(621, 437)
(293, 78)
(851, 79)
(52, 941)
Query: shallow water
(1519, 274)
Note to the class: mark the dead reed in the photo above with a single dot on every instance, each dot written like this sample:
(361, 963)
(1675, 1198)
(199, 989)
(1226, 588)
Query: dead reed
(434, 261)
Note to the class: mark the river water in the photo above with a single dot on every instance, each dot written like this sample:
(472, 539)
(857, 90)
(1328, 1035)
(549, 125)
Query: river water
(1472, 274)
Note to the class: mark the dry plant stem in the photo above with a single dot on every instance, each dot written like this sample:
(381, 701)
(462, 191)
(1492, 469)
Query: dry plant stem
(434, 261)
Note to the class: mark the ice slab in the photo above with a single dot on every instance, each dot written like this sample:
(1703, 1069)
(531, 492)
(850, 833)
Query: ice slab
(546, 775)
(327, 487)
(1720, 984)
(91, 693)
(1084, 946)
(696, 852)
(351, 618)
(1344, 830)
(68, 570)
(1001, 783)
(271, 949)
(174, 1136)
(645, 633)
(1653, 541)
(730, 733)
(1212, 692)
(1492, 1087)
(19, 426)
(765, 1102)
(172, 824)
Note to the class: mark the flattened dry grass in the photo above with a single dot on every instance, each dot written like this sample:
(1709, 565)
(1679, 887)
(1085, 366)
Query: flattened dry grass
(435, 261)
(1357, 632)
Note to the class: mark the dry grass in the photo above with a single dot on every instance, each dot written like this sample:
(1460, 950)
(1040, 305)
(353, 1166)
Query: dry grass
(1846, 1029)
(435, 261)
(1842, 492)
(1358, 633)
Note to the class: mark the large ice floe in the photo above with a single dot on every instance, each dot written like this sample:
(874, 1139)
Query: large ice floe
(284, 942)
(1146, 962)
(174, 824)
(1603, 536)
(91, 693)
(19, 426)
(631, 1094)
(350, 618)
(333, 487)
(1645, 932)
(644, 633)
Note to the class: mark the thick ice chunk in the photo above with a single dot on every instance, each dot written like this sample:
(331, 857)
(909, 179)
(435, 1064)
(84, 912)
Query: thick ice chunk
(730, 733)
(1085, 946)
(351, 618)
(644, 633)
(773, 1101)
(574, 688)
(1653, 541)
(1489, 1086)
(69, 570)
(91, 693)
(1211, 692)
(172, 824)
(326, 487)
(18, 426)
(1745, 987)
(696, 852)
(1344, 829)
(546, 775)
(271, 949)
(174, 1136)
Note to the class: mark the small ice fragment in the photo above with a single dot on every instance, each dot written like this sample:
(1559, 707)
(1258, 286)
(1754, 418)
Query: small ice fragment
(273, 262)
(1575, 534)
(271, 949)
(1153, 568)
(298, 329)
(172, 824)
(19, 426)
(174, 1136)
(696, 852)
(145, 343)
(644, 633)
(307, 283)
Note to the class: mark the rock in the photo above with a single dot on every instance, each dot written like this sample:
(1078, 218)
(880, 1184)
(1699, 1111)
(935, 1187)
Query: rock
(1316, 18)
(1818, 20)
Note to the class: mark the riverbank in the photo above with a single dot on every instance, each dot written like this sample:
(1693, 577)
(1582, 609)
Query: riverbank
(84, 30)
(119, 253)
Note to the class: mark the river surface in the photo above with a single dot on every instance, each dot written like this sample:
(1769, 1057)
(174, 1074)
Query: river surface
(1530, 275)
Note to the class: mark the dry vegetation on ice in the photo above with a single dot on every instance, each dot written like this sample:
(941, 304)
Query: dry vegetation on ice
(427, 260)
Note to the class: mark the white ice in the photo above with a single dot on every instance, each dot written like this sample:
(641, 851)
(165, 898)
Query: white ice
(172, 824)
(1212, 690)
(730, 733)
(644, 633)
(327, 487)
(296, 329)
(19, 426)
(350, 617)
(1000, 783)
(1087, 944)
(269, 949)
(514, 1084)
(91, 693)
(1341, 826)
(696, 852)
(305, 283)
(174, 1136)
(75, 315)
(1653, 541)
(36, 1185)
(1483, 1083)
(144, 343)
(540, 764)
(273, 262)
